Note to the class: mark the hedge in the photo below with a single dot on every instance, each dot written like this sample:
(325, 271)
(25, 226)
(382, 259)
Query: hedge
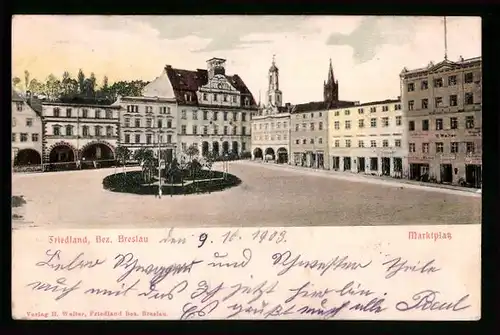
(133, 182)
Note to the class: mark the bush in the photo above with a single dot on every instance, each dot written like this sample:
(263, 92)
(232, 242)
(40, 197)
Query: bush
(133, 182)
(17, 201)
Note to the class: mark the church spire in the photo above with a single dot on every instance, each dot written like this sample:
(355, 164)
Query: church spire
(331, 78)
(331, 87)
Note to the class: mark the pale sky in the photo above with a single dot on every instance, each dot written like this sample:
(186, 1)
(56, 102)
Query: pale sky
(367, 52)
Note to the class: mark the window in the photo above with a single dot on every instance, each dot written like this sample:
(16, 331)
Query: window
(348, 124)
(85, 113)
(296, 127)
(425, 125)
(169, 124)
(469, 98)
(397, 107)
(454, 147)
(138, 122)
(347, 112)
(397, 143)
(385, 108)
(361, 144)
(159, 123)
(225, 97)
(215, 116)
(411, 87)
(411, 105)
(411, 125)
(215, 96)
(320, 140)
(109, 114)
(205, 130)
(285, 136)
(235, 116)
(235, 130)
(297, 141)
(183, 129)
(137, 138)
(127, 122)
(148, 123)
(34, 137)
(69, 130)
(56, 112)
(337, 124)
(68, 112)
(438, 82)
(424, 85)
(398, 120)
(24, 137)
(385, 143)
(320, 114)
(337, 143)
(312, 126)
(97, 114)
(468, 78)
(19, 106)
(453, 100)
(347, 143)
(225, 130)
(234, 98)
(385, 122)
(247, 101)
(243, 117)
(85, 131)
(133, 109)
(438, 101)
(425, 148)
(183, 114)
(163, 110)
(411, 147)
(361, 123)
(453, 123)
(109, 131)
(312, 115)
(148, 138)
(469, 122)
(373, 143)
(439, 124)
(13, 137)
(304, 141)
(439, 147)
(216, 130)
(14, 122)
(127, 138)
(205, 96)
(469, 145)
(205, 115)
(425, 103)
(97, 130)
(278, 125)
(452, 80)
(243, 130)
(286, 124)
(373, 122)
(169, 138)
(29, 122)
(337, 113)
(195, 130)
(373, 109)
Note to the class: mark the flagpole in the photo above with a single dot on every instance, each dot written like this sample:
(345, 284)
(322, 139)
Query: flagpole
(445, 41)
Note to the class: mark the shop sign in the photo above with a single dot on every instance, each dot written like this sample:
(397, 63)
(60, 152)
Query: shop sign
(448, 157)
(445, 135)
(474, 133)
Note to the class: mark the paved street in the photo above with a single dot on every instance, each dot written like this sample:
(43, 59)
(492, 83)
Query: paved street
(268, 196)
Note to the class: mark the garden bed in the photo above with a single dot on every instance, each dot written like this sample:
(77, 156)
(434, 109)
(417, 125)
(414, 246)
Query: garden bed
(205, 182)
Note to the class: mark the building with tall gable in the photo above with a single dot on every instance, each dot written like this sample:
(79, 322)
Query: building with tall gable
(271, 123)
(27, 141)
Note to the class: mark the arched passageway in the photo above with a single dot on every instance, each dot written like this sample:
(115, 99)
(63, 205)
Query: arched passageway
(97, 151)
(257, 153)
(235, 148)
(205, 149)
(282, 156)
(225, 147)
(61, 153)
(27, 157)
(215, 148)
(269, 154)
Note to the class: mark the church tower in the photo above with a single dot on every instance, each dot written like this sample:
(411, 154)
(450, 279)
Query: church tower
(274, 95)
(331, 87)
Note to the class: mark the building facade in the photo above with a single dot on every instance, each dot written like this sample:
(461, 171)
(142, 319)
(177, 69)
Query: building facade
(271, 124)
(442, 112)
(150, 121)
(80, 130)
(309, 127)
(27, 145)
(368, 138)
(213, 110)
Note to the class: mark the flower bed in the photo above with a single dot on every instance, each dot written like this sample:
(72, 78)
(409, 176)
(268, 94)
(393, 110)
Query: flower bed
(133, 182)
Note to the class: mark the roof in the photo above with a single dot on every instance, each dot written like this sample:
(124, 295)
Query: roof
(160, 87)
(380, 102)
(432, 67)
(81, 101)
(321, 105)
(184, 81)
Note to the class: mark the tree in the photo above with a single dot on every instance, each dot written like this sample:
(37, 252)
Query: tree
(93, 82)
(53, 87)
(146, 158)
(16, 81)
(192, 152)
(122, 154)
(26, 80)
(81, 81)
(36, 87)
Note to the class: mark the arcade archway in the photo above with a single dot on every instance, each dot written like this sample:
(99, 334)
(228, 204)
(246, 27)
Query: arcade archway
(282, 155)
(235, 148)
(62, 153)
(204, 149)
(257, 153)
(269, 153)
(225, 147)
(215, 148)
(27, 157)
(97, 151)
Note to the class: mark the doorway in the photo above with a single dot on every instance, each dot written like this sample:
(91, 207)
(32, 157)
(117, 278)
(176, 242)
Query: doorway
(361, 164)
(473, 175)
(347, 163)
(335, 162)
(446, 173)
(386, 166)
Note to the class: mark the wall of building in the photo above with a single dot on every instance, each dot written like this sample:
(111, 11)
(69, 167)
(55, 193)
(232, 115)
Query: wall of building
(310, 137)
(26, 129)
(271, 131)
(369, 131)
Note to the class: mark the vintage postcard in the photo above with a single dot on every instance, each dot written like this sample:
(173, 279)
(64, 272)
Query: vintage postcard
(246, 167)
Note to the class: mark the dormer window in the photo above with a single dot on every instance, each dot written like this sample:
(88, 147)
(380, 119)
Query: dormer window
(247, 102)
(225, 97)
(205, 96)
